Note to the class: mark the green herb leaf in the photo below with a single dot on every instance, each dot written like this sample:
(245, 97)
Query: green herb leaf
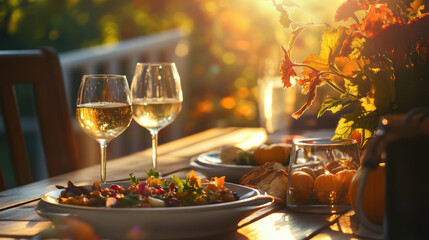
(191, 192)
(180, 182)
(152, 172)
(130, 200)
(134, 180)
(164, 184)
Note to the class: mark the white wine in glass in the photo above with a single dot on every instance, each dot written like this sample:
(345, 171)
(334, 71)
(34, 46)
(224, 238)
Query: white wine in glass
(103, 110)
(157, 98)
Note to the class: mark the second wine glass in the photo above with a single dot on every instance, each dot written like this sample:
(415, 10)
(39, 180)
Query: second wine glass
(157, 98)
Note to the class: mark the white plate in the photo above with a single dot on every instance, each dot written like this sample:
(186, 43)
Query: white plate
(159, 223)
(211, 165)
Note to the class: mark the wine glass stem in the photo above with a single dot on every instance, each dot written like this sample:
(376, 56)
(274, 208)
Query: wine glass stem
(155, 150)
(103, 147)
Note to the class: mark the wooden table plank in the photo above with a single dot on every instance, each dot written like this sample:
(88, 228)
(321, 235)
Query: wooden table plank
(287, 225)
(22, 229)
(24, 212)
(347, 227)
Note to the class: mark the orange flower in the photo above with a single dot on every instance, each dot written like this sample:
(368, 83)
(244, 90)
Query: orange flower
(194, 180)
(378, 16)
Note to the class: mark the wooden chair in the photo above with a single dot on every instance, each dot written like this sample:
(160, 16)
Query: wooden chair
(42, 69)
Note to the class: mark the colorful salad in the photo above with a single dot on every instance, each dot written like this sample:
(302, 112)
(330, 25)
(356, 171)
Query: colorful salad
(153, 192)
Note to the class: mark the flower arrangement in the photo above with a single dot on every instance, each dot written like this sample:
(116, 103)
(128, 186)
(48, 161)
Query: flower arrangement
(379, 63)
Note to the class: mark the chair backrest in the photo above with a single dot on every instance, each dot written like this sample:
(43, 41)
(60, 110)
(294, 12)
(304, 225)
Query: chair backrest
(42, 69)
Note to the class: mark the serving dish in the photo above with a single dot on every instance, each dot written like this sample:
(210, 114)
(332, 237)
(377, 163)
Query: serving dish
(210, 165)
(159, 223)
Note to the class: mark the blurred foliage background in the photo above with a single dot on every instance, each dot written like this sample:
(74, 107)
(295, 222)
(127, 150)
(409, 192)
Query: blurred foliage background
(228, 41)
(228, 38)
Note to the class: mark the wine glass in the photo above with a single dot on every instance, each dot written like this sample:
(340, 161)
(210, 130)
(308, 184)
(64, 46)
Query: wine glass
(157, 98)
(103, 110)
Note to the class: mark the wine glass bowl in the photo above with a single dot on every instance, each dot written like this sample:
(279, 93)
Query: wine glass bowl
(157, 97)
(320, 172)
(103, 110)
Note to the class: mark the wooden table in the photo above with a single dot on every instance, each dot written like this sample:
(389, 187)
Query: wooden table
(19, 220)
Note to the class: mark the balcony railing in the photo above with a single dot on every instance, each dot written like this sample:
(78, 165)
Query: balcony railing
(121, 58)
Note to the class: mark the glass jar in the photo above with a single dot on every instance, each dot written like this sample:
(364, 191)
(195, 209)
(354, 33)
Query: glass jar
(320, 172)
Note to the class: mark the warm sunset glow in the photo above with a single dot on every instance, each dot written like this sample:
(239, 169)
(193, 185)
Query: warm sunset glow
(268, 230)
(253, 141)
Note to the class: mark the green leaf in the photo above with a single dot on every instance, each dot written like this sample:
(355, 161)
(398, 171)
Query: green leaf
(366, 122)
(329, 104)
(134, 180)
(345, 127)
(130, 200)
(335, 104)
(164, 184)
(180, 182)
(152, 172)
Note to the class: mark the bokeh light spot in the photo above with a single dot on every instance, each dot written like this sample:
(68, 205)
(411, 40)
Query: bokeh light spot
(246, 109)
(14, 3)
(243, 93)
(83, 18)
(14, 20)
(205, 106)
(214, 69)
(240, 82)
(53, 35)
(182, 49)
(228, 102)
(243, 45)
(229, 58)
(210, 7)
(249, 72)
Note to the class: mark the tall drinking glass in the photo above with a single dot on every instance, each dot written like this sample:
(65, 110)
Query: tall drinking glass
(103, 110)
(275, 103)
(157, 98)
